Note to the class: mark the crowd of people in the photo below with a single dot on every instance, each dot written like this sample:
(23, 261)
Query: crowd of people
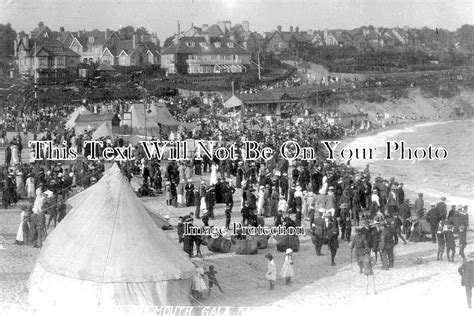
(329, 198)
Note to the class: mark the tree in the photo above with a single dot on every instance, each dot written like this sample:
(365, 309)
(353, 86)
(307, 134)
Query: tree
(7, 37)
(168, 41)
(127, 32)
(141, 31)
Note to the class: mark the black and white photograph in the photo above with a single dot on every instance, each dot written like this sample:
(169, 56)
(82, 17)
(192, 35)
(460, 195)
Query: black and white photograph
(236, 157)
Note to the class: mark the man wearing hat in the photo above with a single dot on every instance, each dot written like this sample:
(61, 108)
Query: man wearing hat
(361, 247)
(466, 270)
(189, 189)
(346, 222)
(419, 204)
(442, 208)
(332, 233)
(433, 217)
(318, 233)
(387, 244)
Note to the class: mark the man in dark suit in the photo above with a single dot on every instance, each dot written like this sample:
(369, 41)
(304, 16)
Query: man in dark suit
(387, 244)
(332, 233)
(466, 270)
(442, 209)
(361, 247)
(318, 228)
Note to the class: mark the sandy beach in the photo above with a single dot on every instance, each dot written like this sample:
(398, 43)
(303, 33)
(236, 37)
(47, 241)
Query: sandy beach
(316, 284)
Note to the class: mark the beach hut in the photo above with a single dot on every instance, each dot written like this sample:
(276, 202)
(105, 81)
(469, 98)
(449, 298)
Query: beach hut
(103, 131)
(72, 118)
(107, 252)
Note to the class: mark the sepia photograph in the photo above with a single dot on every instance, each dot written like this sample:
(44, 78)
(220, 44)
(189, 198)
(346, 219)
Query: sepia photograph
(236, 157)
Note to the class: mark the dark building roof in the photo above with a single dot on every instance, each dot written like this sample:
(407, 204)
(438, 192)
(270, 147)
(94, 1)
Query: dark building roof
(86, 118)
(52, 47)
(199, 45)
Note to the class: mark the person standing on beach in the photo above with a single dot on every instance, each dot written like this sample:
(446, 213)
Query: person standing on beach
(332, 233)
(442, 208)
(466, 270)
(386, 247)
(433, 217)
(419, 204)
(450, 243)
(361, 248)
(271, 271)
(287, 270)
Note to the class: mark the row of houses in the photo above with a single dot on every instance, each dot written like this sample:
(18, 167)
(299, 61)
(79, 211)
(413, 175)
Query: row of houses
(217, 48)
(44, 49)
(362, 39)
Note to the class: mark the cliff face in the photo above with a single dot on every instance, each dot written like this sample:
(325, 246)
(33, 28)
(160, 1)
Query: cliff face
(416, 103)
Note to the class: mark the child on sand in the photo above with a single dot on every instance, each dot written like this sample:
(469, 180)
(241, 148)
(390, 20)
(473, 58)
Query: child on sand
(211, 276)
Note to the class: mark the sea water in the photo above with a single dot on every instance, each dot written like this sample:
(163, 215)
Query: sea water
(452, 177)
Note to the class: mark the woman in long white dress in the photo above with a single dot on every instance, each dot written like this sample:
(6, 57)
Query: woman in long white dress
(23, 230)
(39, 200)
(30, 187)
(261, 200)
(15, 156)
(287, 270)
(214, 168)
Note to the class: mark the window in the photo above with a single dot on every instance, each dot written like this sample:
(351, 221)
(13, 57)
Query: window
(217, 44)
(203, 44)
(60, 61)
(91, 39)
(230, 45)
(43, 61)
(190, 44)
(280, 45)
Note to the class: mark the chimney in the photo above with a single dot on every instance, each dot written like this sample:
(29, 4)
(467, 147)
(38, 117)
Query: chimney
(228, 26)
(61, 29)
(279, 28)
(291, 29)
(142, 38)
(26, 42)
(79, 33)
(107, 33)
(297, 29)
(208, 38)
(40, 24)
(245, 26)
(221, 25)
(325, 33)
(205, 27)
(135, 41)
(15, 47)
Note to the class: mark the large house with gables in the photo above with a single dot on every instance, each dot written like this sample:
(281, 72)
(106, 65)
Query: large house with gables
(201, 54)
(41, 51)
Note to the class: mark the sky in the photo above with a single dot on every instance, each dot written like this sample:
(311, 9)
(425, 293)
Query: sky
(161, 16)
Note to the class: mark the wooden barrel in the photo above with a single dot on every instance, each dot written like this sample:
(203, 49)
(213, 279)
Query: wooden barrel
(262, 240)
(288, 241)
(219, 244)
(246, 247)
